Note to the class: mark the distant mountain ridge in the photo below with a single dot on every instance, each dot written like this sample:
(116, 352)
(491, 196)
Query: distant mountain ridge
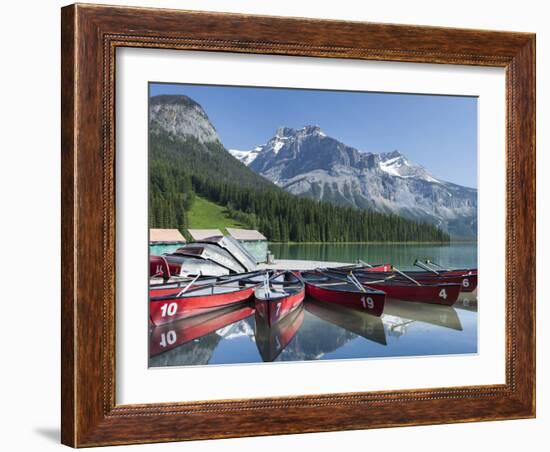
(308, 162)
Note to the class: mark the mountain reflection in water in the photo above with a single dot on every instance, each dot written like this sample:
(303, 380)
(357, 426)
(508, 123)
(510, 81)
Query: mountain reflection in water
(316, 331)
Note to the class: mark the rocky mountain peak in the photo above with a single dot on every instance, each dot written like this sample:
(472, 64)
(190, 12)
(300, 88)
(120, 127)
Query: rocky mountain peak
(175, 99)
(313, 130)
(289, 132)
(391, 155)
(284, 132)
(181, 116)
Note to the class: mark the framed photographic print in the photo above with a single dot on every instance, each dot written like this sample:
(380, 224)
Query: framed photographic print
(326, 228)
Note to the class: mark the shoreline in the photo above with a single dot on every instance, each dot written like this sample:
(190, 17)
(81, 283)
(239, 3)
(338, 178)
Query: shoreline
(373, 243)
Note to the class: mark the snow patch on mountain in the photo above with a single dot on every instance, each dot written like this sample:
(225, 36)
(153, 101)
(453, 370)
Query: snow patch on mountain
(389, 167)
(246, 157)
(397, 164)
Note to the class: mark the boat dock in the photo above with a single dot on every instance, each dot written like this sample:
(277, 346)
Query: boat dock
(292, 264)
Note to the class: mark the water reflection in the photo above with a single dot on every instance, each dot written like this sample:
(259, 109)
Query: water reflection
(166, 337)
(467, 303)
(403, 312)
(358, 322)
(272, 340)
(316, 331)
(197, 352)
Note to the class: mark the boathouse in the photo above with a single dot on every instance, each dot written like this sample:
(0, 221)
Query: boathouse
(165, 240)
(253, 241)
(201, 234)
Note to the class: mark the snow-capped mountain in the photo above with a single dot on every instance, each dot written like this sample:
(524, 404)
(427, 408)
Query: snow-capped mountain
(307, 162)
(247, 157)
(396, 164)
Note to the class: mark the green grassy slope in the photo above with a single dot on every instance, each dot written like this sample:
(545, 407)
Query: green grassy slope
(205, 214)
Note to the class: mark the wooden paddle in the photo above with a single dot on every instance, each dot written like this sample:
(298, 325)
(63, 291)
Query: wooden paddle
(424, 266)
(429, 262)
(395, 269)
(180, 293)
(355, 281)
(350, 278)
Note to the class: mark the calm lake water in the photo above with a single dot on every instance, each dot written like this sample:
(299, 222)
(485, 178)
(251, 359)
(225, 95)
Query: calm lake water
(320, 331)
(401, 255)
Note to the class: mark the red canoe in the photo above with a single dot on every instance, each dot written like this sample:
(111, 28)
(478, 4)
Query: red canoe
(175, 287)
(169, 336)
(468, 282)
(466, 277)
(279, 296)
(441, 293)
(343, 293)
(158, 267)
(389, 267)
(433, 266)
(199, 300)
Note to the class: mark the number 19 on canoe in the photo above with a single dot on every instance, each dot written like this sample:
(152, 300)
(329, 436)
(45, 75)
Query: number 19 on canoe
(367, 302)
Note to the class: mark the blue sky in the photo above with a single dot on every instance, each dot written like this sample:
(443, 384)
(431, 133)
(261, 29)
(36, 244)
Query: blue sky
(438, 132)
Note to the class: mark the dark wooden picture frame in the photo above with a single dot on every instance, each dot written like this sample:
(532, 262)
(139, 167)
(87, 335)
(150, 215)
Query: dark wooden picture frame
(90, 37)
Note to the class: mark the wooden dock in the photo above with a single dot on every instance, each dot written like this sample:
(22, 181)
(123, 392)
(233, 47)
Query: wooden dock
(292, 264)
